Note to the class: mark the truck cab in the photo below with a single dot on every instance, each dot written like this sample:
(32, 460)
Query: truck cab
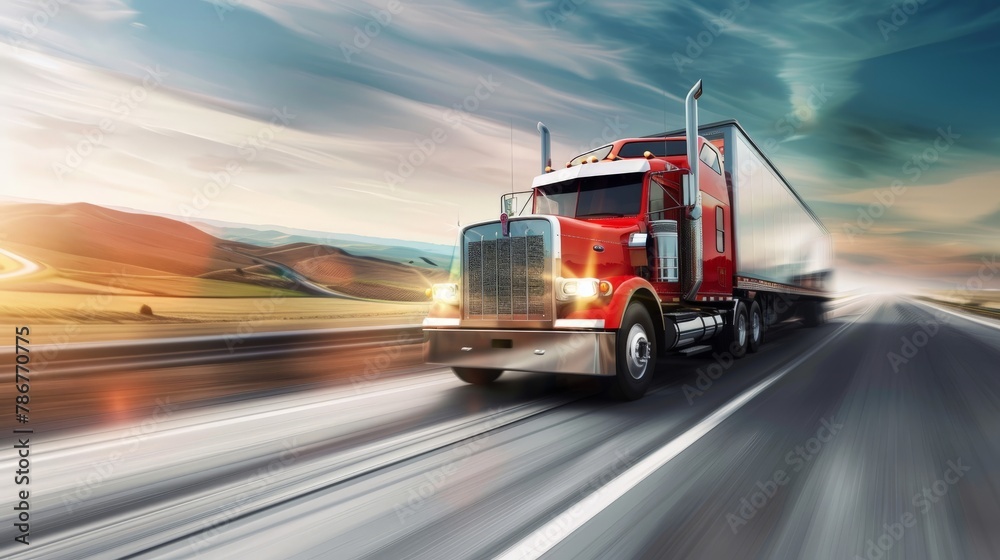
(628, 252)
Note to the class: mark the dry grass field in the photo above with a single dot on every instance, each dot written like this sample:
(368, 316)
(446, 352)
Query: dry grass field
(98, 265)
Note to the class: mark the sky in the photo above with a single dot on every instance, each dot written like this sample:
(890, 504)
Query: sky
(402, 119)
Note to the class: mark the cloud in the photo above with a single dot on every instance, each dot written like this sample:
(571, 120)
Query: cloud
(432, 94)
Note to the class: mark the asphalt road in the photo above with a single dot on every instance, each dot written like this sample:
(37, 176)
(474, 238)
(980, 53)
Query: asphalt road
(873, 436)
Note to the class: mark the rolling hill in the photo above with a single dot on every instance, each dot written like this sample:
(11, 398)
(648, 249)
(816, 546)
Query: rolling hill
(80, 246)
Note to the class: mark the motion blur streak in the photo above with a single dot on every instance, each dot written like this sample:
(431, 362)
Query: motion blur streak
(27, 267)
(853, 453)
(553, 532)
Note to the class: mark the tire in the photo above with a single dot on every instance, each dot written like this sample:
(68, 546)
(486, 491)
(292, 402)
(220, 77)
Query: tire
(756, 328)
(735, 337)
(635, 351)
(477, 376)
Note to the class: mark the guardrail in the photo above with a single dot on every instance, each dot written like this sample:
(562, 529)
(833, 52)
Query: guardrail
(110, 356)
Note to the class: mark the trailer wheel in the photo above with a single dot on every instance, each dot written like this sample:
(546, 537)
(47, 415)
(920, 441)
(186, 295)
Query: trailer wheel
(756, 327)
(636, 354)
(477, 376)
(735, 336)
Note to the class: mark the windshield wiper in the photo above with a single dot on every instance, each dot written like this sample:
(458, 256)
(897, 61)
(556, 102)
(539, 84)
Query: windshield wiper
(602, 215)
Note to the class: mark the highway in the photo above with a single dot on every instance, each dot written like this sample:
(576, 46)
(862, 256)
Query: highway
(872, 436)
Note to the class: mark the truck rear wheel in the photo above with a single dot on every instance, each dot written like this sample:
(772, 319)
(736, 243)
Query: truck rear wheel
(756, 327)
(735, 337)
(477, 376)
(636, 354)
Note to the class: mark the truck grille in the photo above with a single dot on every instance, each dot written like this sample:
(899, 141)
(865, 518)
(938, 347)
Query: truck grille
(505, 277)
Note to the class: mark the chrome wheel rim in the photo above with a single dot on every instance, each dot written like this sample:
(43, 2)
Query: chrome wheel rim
(638, 351)
(741, 330)
(755, 326)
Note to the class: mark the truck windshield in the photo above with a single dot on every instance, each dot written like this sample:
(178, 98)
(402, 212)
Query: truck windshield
(605, 196)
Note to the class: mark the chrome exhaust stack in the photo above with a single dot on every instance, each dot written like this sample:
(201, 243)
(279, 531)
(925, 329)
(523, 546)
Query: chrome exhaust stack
(692, 274)
(546, 148)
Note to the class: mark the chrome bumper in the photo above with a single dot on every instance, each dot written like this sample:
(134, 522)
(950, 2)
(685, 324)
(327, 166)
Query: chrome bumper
(576, 352)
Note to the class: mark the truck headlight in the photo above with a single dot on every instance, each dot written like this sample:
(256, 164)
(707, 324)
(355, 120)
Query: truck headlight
(568, 289)
(445, 293)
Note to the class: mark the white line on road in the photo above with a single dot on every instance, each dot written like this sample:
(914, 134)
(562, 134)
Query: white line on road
(555, 531)
(984, 322)
(27, 267)
(112, 439)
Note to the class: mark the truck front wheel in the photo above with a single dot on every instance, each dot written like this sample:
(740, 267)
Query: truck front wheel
(636, 354)
(477, 376)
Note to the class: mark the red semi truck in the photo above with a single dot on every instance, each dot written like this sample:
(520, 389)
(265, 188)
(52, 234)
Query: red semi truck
(629, 252)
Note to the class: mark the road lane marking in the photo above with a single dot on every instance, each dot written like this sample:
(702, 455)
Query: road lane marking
(561, 526)
(184, 517)
(113, 438)
(972, 318)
